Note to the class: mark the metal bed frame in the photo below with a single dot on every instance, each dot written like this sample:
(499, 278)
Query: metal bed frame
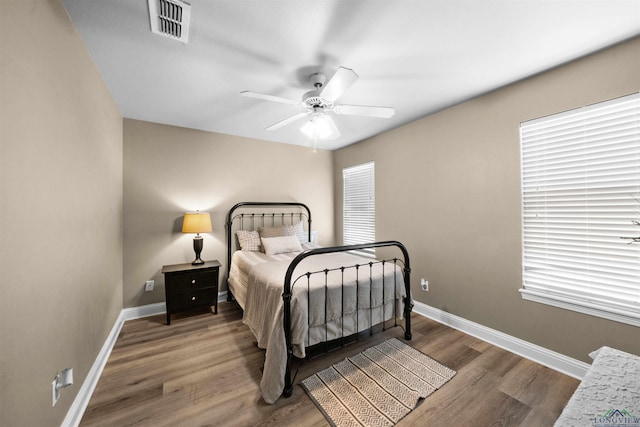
(289, 280)
(263, 218)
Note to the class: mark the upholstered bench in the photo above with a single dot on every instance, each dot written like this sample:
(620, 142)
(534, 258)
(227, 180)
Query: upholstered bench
(609, 393)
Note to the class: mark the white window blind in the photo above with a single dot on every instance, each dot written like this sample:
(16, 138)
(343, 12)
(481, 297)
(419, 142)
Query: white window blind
(580, 194)
(359, 205)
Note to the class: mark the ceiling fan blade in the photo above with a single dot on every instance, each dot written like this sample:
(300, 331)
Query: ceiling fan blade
(269, 98)
(365, 110)
(288, 120)
(338, 84)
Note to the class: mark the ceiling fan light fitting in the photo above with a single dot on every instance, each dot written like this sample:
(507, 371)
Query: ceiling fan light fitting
(318, 127)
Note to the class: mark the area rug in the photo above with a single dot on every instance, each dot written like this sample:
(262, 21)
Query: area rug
(376, 387)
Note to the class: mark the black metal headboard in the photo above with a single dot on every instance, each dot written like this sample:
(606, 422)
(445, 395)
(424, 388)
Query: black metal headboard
(257, 219)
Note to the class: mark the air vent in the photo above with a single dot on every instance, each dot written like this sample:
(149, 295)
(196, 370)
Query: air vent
(170, 18)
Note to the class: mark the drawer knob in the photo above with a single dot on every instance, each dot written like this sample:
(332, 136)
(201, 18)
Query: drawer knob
(193, 281)
(193, 298)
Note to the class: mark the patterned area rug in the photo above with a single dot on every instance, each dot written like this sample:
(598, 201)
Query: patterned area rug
(376, 387)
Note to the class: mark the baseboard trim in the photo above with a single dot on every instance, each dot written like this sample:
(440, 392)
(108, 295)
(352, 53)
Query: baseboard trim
(80, 403)
(144, 311)
(551, 359)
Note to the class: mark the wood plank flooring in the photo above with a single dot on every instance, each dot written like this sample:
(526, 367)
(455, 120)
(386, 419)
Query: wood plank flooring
(205, 370)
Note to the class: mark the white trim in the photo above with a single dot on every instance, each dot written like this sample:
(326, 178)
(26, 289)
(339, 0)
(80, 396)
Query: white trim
(581, 307)
(222, 296)
(79, 405)
(556, 361)
(144, 311)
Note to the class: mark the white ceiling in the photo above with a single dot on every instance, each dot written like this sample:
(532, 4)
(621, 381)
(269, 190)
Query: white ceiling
(416, 56)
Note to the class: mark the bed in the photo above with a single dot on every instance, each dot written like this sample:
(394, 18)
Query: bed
(298, 297)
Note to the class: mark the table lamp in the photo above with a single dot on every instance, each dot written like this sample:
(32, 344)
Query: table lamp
(197, 222)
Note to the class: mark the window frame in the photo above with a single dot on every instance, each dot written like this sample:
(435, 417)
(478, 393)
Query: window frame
(358, 206)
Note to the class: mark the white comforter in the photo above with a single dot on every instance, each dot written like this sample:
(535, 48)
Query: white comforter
(264, 307)
(243, 261)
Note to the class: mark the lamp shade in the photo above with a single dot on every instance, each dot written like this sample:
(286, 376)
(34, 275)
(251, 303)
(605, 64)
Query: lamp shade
(196, 222)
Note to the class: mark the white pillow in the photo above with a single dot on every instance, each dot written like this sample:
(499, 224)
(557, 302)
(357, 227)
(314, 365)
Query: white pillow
(280, 245)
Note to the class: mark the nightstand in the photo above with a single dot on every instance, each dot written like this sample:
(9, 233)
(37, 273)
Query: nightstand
(188, 286)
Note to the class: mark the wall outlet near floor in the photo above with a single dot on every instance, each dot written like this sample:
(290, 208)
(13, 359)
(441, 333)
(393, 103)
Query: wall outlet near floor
(55, 392)
(62, 380)
(424, 283)
(148, 286)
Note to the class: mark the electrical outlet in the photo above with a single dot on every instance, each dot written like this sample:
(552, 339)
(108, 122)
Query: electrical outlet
(424, 283)
(148, 286)
(55, 392)
(62, 380)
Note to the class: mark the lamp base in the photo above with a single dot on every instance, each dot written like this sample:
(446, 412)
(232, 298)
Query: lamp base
(197, 247)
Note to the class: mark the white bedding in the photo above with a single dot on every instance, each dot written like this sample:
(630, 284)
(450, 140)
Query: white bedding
(243, 261)
(263, 306)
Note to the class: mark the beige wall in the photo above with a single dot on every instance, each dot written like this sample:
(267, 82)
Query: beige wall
(448, 187)
(60, 214)
(169, 170)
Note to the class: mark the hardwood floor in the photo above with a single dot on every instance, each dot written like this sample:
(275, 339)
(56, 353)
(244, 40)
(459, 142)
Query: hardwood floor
(205, 369)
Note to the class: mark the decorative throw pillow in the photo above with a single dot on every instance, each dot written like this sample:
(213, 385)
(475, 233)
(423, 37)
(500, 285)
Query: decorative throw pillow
(249, 240)
(281, 245)
(278, 231)
(298, 230)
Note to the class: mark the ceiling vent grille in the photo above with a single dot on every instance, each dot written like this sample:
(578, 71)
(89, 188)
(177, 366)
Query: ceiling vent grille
(170, 18)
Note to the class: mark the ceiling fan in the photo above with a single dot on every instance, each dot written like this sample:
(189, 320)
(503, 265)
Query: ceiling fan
(317, 102)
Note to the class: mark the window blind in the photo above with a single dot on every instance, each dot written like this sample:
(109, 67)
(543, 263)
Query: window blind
(359, 205)
(580, 196)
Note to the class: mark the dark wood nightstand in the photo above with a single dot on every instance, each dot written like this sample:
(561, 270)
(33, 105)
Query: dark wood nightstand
(188, 286)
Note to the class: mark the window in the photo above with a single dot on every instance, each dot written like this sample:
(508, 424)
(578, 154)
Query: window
(580, 196)
(359, 205)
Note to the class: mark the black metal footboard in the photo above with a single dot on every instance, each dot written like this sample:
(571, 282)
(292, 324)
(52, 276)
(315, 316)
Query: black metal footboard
(290, 281)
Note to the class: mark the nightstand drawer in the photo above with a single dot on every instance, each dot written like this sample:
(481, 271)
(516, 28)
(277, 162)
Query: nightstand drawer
(193, 280)
(193, 298)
